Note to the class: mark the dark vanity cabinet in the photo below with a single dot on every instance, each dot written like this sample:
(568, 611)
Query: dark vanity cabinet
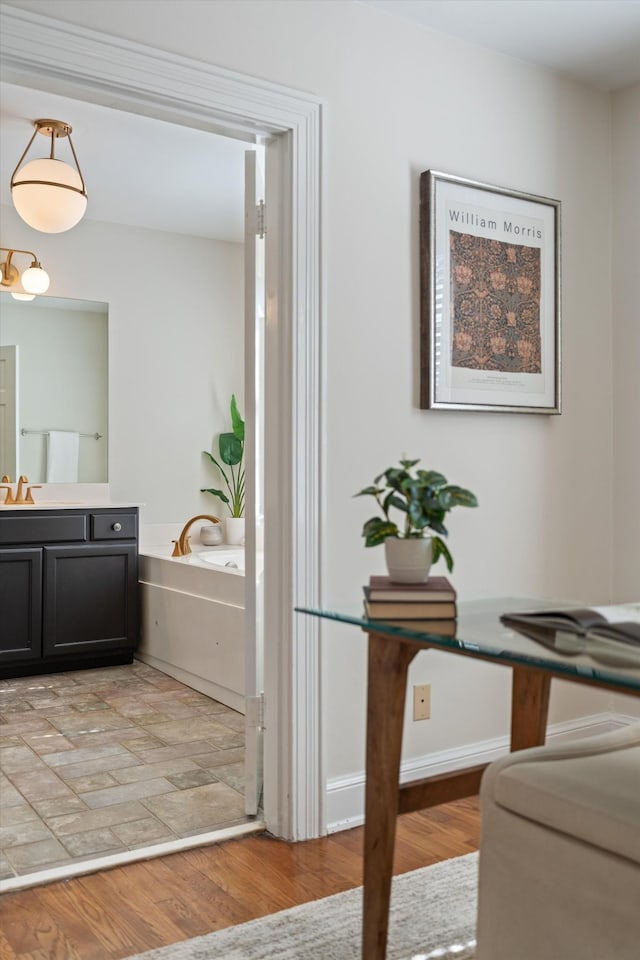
(68, 589)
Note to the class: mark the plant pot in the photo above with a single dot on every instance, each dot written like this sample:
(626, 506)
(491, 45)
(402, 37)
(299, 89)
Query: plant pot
(408, 561)
(234, 530)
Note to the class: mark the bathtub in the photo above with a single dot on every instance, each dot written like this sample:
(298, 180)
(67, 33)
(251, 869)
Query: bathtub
(230, 560)
(193, 619)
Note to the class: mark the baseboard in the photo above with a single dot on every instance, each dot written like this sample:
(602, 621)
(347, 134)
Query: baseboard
(345, 795)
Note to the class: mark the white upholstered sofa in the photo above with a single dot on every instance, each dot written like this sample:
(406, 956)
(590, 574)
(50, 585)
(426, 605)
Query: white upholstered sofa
(560, 852)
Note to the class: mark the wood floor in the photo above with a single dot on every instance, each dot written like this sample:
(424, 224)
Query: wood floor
(129, 909)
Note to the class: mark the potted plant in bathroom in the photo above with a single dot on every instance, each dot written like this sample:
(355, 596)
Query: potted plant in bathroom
(422, 499)
(231, 453)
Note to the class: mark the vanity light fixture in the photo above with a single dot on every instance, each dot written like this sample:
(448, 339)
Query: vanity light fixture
(48, 193)
(34, 279)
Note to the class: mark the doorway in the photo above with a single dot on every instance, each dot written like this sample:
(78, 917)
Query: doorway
(111, 734)
(39, 51)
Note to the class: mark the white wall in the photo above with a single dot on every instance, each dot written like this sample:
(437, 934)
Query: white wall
(401, 100)
(176, 351)
(626, 340)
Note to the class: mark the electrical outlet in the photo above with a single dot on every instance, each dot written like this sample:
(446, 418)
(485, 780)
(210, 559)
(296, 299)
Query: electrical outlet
(422, 701)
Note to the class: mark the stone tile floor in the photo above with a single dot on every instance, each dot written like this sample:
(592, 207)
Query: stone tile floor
(98, 762)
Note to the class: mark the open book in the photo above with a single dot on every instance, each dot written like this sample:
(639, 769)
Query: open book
(576, 631)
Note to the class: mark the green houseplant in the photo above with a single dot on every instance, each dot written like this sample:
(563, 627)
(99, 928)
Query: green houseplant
(231, 453)
(421, 499)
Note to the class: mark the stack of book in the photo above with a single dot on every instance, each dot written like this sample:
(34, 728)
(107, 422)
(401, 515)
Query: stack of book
(429, 606)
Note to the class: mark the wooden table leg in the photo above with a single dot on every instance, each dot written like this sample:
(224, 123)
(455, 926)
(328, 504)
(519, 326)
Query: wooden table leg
(389, 659)
(529, 707)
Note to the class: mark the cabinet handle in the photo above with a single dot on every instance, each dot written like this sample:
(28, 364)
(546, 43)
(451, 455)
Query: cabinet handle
(116, 526)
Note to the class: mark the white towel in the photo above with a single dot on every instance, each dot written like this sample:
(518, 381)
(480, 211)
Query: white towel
(63, 447)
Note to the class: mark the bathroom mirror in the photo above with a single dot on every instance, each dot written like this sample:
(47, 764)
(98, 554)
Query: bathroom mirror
(54, 375)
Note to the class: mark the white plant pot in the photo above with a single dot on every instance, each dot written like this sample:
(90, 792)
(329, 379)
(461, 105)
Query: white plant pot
(408, 561)
(234, 530)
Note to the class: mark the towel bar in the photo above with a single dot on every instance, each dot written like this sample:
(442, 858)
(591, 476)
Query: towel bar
(43, 433)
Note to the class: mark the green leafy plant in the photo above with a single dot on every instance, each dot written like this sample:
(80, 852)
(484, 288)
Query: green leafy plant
(423, 498)
(231, 447)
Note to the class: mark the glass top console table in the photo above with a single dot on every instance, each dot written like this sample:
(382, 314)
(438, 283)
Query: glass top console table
(479, 634)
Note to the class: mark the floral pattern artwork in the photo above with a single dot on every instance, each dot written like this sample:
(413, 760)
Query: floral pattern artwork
(495, 304)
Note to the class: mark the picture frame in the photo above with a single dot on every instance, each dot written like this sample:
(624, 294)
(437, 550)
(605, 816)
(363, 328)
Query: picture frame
(490, 285)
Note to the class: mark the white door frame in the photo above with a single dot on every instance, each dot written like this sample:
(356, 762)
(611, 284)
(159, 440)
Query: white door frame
(70, 60)
(9, 410)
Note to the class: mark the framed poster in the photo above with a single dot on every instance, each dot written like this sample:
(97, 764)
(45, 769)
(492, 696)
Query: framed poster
(489, 297)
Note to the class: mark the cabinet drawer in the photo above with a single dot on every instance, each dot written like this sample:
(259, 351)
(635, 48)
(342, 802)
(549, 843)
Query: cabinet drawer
(113, 526)
(39, 529)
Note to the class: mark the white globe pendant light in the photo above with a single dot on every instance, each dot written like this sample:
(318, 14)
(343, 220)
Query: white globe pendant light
(42, 200)
(48, 193)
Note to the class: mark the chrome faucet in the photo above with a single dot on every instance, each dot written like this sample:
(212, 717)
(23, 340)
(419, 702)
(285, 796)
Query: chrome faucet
(182, 548)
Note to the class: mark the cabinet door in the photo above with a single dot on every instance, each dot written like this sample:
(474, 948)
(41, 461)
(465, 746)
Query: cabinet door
(90, 598)
(20, 604)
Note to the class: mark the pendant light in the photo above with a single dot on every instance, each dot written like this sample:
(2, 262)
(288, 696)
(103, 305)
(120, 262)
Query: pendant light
(48, 193)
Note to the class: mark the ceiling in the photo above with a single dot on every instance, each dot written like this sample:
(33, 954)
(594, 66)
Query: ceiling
(595, 41)
(130, 164)
(139, 171)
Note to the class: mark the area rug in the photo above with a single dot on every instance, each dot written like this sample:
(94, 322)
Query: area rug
(433, 917)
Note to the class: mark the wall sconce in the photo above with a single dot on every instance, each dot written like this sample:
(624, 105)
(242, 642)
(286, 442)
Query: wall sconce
(48, 193)
(34, 278)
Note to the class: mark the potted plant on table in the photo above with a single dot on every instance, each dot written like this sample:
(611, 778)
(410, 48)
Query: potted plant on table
(422, 499)
(231, 453)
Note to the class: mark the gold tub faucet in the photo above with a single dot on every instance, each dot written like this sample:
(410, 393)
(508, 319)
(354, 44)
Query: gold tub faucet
(181, 545)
